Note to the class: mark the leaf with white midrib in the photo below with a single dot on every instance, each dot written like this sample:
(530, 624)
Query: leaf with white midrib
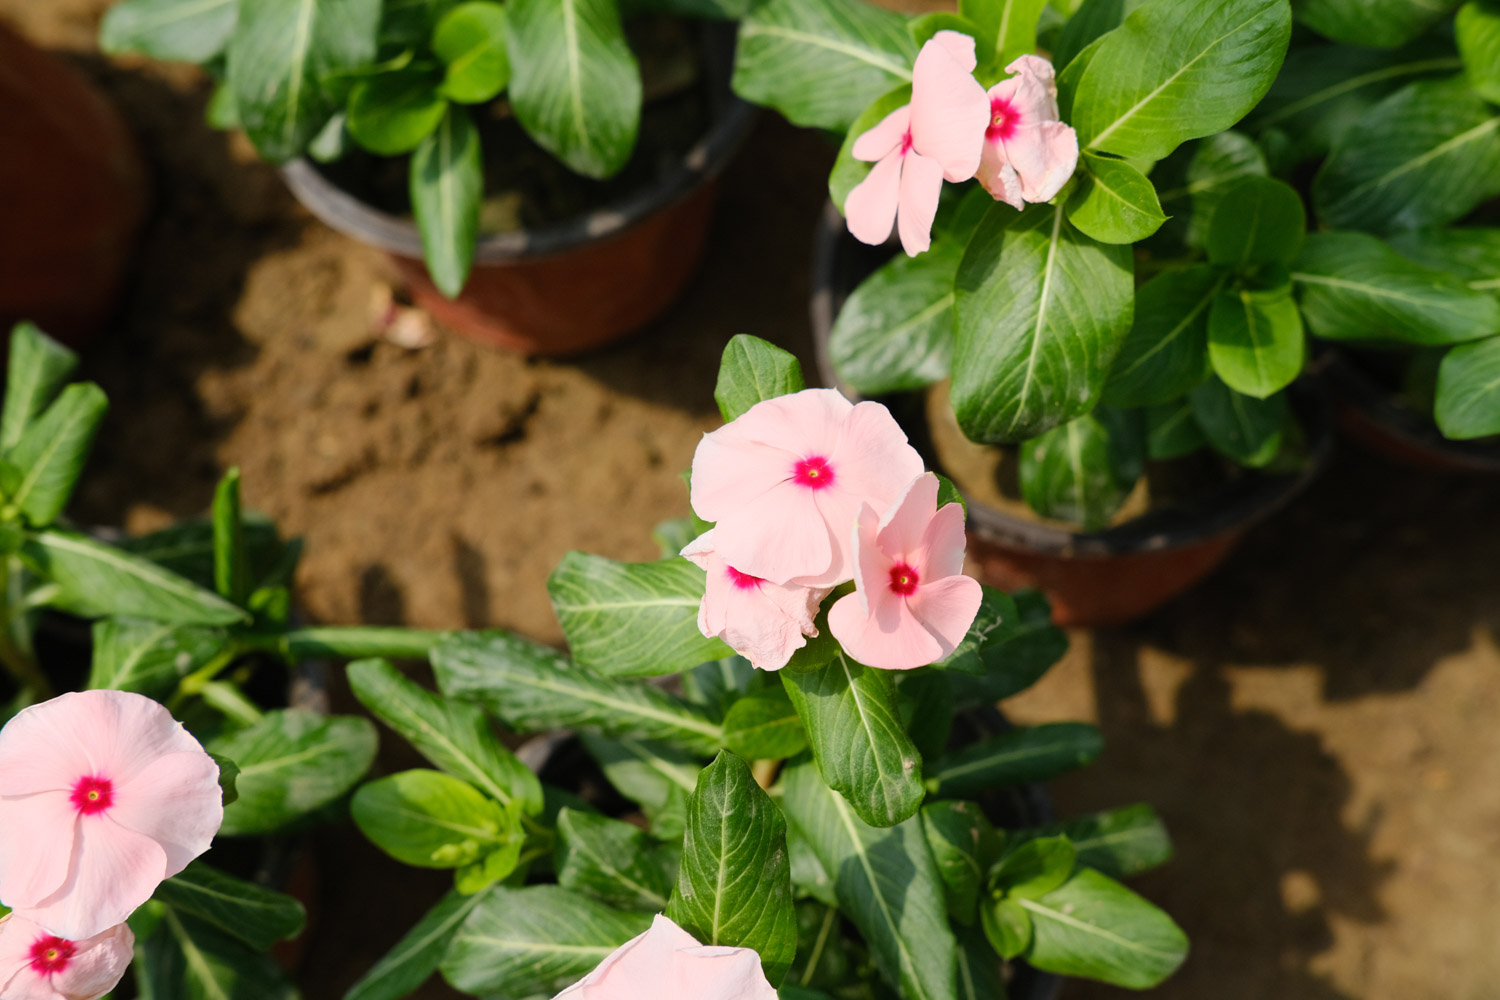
(415, 956)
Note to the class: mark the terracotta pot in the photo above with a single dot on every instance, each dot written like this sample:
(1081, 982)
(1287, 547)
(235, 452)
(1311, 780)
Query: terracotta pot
(1366, 412)
(72, 195)
(578, 284)
(1091, 577)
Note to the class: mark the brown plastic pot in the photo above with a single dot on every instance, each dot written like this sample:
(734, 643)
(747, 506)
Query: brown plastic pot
(576, 285)
(1091, 577)
(72, 195)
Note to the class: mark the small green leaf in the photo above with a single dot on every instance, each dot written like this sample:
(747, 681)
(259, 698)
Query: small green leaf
(149, 657)
(470, 40)
(1477, 28)
(612, 861)
(430, 820)
(392, 113)
(229, 773)
(1166, 352)
(1016, 757)
(1008, 27)
(1011, 644)
(1035, 868)
(656, 776)
(1118, 842)
(1192, 181)
(1093, 926)
(752, 371)
(964, 843)
(1256, 220)
(44, 465)
(416, 956)
(1083, 471)
(1468, 390)
(254, 914)
(37, 368)
(1114, 202)
(447, 184)
(231, 563)
(1246, 429)
(764, 726)
(170, 30)
(1007, 926)
(1373, 23)
(1255, 340)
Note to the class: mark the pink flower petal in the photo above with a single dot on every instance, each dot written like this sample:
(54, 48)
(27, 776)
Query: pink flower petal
(1044, 156)
(45, 747)
(940, 553)
(803, 423)
(97, 966)
(873, 459)
(762, 621)
(999, 177)
(892, 641)
(871, 207)
(949, 108)
(921, 186)
(719, 973)
(872, 568)
(885, 138)
(902, 527)
(946, 608)
(666, 963)
(37, 840)
(114, 870)
(176, 801)
(780, 537)
(730, 470)
(130, 732)
(1036, 92)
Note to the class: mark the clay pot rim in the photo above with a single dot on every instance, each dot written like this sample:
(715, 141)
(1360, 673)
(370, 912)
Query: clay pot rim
(702, 163)
(1231, 509)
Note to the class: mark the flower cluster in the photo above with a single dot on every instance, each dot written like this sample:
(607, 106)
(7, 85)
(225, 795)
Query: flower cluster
(809, 491)
(667, 963)
(1010, 138)
(103, 795)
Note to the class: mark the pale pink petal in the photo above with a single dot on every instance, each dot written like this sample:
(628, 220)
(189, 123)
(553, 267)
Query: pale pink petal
(779, 538)
(131, 731)
(1044, 156)
(98, 965)
(891, 641)
(949, 108)
(16, 937)
(1036, 86)
(946, 608)
(36, 843)
(730, 470)
(906, 519)
(871, 207)
(45, 747)
(872, 567)
(700, 551)
(940, 552)
(666, 963)
(719, 973)
(805, 423)
(884, 138)
(873, 459)
(177, 802)
(921, 186)
(114, 870)
(764, 622)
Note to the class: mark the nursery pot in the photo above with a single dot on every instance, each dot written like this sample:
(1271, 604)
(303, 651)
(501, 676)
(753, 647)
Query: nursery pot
(575, 285)
(1090, 577)
(72, 194)
(1367, 411)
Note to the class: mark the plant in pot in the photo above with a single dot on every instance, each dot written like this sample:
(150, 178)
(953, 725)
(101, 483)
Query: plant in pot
(191, 623)
(1108, 408)
(562, 152)
(805, 780)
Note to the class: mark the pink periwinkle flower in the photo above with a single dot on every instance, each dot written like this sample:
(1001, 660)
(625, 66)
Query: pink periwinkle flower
(38, 965)
(1028, 154)
(912, 604)
(785, 480)
(102, 796)
(667, 963)
(938, 135)
(764, 622)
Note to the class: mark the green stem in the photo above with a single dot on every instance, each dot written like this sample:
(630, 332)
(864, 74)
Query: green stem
(357, 641)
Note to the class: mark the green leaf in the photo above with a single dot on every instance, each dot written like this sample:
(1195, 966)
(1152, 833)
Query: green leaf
(279, 54)
(861, 749)
(631, 619)
(895, 332)
(1114, 202)
(611, 861)
(456, 736)
(1176, 70)
(417, 954)
(1035, 867)
(1166, 351)
(97, 580)
(447, 185)
(1426, 155)
(1246, 429)
(1469, 253)
(1041, 310)
(575, 88)
(1256, 220)
(1015, 757)
(1192, 182)
(291, 762)
(185, 958)
(1172, 431)
(408, 24)
(848, 173)
(735, 884)
(1477, 28)
(187, 548)
(1017, 645)
(924, 699)
(963, 844)
(1118, 842)
(391, 113)
(1468, 390)
(1382, 24)
(37, 368)
(170, 30)
(1092, 926)
(149, 657)
(1008, 27)
(532, 687)
(254, 914)
(752, 371)
(1007, 926)
(431, 820)
(821, 62)
(1255, 340)
(656, 776)
(715, 685)
(764, 726)
(1083, 471)
(537, 940)
(470, 40)
(1354, 287)
(1089, 21)
(43, 467)
(231, 563)
(229, 774)
(886, 883)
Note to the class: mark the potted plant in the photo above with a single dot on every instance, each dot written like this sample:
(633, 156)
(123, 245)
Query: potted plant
(564, 153)
(815, 788)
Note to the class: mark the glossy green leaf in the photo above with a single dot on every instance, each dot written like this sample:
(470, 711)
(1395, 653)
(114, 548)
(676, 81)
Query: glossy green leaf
(1192, 181)
(533, 687)
(185, 958)
(1011, 644)
(964, 844)
(1255, 340)
(1468, 390)
(751, 371)
(1477, 28)
(391, 113)
(254, 914)
(656, 776)
(416, 956)
(37, 368)
(1176, 70)
(279, 55)
(1007, 27)
(1089, 21)
(858, 742)
(1114, 202)
(1092, 926)
(1172, 431)
(735, 885)
(1118, 842)
(895, 332)
(408, 24)
(1015, 757)
(1381, 24)
(1035, 867)
(1041, 312)
(1426, 155)
(924, 699)
(1353, 287)
(291, 762)
(715, 685)
(886, 883)
(170, 30)
(1256, 220)
(612, 861)
(1166, 352)
(575, 85)
(187, 548)
(1246, 429)
(470, 40)
(1083, 471)
(1471, 253)
(848, 173)
(537, 940)
(764, 726)
(821, 62)
(447, 185)
(149, 657)
(1007, 926)
(40, 471)
(432, 820)
(231, 561)
(631, 619)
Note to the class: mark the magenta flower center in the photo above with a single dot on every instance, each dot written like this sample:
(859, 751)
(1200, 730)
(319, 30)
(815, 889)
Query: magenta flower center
(51, 954)
(905, 143)
(743, 581)
(815, 473)
(904, 580)
(1003, 119)
(92, 794)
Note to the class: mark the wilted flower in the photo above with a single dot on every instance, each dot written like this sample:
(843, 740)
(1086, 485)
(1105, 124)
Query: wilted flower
(1028, 155)
(667, 963)
(37, 965)
(764, 622)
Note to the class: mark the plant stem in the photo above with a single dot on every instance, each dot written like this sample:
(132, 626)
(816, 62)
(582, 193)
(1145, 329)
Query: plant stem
(356, 641)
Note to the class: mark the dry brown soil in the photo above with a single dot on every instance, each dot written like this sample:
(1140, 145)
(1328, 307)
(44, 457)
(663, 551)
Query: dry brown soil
(1317, 722)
